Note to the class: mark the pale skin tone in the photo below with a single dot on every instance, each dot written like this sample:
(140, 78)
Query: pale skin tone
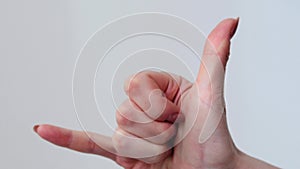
(217, 152)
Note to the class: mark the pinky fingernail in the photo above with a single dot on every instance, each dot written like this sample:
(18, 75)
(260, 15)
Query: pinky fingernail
(35, 128)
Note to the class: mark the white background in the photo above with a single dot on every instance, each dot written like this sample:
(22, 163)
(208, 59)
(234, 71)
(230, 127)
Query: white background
(40, 40)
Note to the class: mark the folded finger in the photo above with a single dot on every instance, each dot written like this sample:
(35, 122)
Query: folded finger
(154, 93)
(154, 131)
(128, 145)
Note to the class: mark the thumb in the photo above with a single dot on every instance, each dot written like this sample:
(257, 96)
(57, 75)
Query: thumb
(215, 55)
(210, 80)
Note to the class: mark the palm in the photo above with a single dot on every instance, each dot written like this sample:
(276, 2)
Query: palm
(214, 152)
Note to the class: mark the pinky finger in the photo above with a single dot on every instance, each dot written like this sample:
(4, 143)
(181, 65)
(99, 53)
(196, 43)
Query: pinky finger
(77, 140)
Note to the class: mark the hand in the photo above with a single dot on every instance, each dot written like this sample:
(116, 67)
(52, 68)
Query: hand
(177, 111)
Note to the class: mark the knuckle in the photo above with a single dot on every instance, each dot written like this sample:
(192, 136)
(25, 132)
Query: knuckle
(91, 145)
(122, 120)
(119, 142)
(127, 83)
(124, 113)
(165, 134)
(134, 82)
(162, 127)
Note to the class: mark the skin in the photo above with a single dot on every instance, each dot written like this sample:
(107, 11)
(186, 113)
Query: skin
(159, 102)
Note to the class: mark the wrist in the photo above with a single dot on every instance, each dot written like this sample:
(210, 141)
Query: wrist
(245, 161)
